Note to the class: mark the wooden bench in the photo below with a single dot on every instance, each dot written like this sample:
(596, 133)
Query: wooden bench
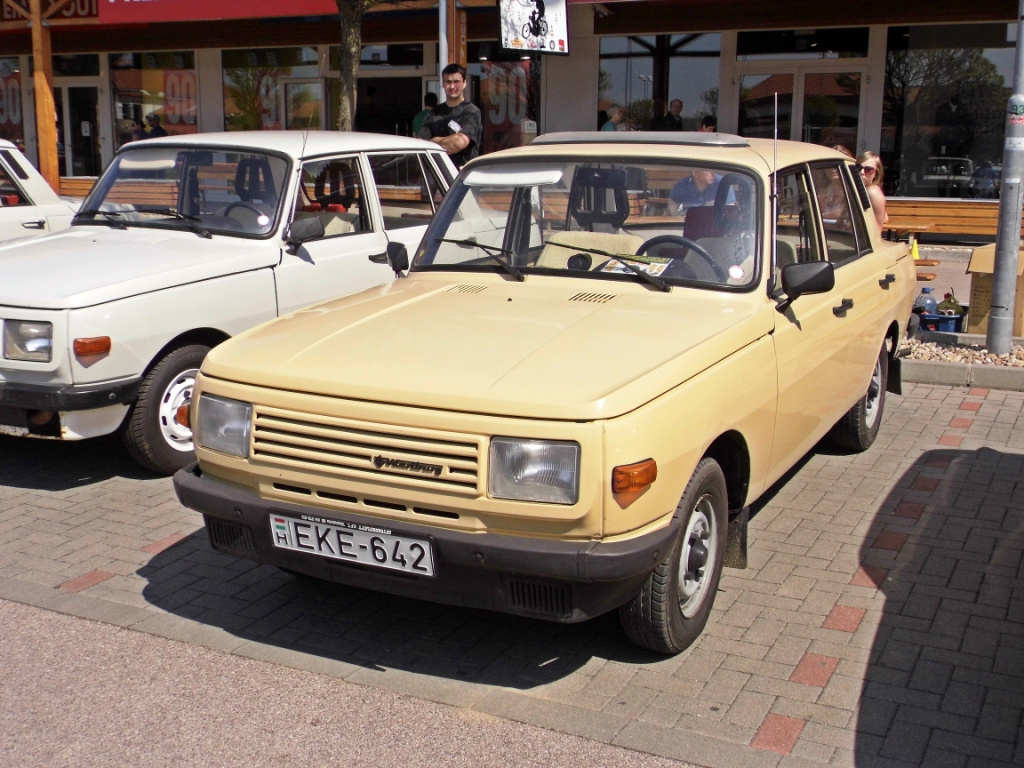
(76, 186)
(978, 218)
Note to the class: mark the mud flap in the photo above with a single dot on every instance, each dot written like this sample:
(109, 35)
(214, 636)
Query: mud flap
(894, 383)
(736, 544)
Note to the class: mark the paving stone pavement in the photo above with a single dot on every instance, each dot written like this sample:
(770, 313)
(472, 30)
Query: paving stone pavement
(880, 623)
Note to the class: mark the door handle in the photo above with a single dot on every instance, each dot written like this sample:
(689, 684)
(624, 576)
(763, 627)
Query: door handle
(843, 308)
(379, 258)
(888, 280)
(38, 224)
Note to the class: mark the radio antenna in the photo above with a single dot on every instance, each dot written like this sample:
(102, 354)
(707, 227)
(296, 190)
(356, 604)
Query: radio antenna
(774, 200)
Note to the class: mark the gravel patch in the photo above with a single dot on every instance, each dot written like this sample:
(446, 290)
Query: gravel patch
(961, 352)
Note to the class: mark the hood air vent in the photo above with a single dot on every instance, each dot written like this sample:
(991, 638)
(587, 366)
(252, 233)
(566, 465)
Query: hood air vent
(596, 298)
(467, 288)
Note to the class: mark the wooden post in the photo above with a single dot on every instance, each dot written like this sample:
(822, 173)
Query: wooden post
(46, 112)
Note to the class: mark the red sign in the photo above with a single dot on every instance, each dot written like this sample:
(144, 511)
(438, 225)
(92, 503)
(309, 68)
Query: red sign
(505, 101)
(11, 127)
(144, 11)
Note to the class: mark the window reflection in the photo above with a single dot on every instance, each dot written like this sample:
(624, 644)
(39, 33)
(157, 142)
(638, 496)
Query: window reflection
(946, 89)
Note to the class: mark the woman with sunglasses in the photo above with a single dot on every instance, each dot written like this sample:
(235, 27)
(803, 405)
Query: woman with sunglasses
(871, 172)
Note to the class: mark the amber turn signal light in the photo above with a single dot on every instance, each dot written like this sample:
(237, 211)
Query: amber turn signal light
(181, 416)
(634, 477)
(96, 345)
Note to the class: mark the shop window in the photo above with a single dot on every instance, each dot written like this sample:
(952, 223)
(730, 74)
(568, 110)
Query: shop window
(12, 126)
(270, 89)
(644, 73)
(946, 89)
(153, 91)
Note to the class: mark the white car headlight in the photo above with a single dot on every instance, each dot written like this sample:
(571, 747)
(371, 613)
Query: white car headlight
(28, 340)
(223, 425)
(534, 470)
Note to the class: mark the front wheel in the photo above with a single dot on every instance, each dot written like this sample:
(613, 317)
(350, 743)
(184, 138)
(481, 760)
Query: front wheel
(858, 428)
(671, 609)
(150, 433)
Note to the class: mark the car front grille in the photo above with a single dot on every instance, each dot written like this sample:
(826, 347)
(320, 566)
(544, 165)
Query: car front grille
(341, 448)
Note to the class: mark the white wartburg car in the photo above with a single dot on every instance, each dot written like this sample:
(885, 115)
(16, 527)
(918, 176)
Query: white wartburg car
(28, 204)
(182, 243)
(608, 346)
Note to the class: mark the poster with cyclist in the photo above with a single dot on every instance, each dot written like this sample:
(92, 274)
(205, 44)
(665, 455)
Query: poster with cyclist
(539, 26)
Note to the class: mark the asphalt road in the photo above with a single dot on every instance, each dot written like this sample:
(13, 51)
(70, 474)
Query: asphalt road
(81, 694)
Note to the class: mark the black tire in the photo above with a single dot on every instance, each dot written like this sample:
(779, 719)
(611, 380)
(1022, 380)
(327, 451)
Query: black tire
(857, 430)
(149, 433)
(670, 612)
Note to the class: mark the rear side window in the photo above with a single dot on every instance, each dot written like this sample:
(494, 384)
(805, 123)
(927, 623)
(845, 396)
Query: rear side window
(845, 233)
(408, 188)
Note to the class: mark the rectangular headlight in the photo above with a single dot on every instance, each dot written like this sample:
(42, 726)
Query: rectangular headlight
(28, 340)
(534, 470)
(223, 425)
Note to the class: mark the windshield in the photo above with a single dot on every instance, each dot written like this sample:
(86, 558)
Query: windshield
(206, 191)
(662, 223)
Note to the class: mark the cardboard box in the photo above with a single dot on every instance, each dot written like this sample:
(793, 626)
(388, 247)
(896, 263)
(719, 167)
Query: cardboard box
(981, 267)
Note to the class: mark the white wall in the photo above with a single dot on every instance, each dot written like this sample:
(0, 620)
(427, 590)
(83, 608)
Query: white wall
(569, 97)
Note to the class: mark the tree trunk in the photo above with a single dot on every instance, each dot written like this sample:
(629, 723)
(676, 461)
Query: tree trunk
(350, 13)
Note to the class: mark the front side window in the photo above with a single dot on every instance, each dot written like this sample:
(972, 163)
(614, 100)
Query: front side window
(797, 239)
(207, 191)
(331, 190)
(11, 192)
(683, 224)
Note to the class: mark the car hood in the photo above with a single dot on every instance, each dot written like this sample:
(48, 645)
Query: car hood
(538, 349)
(85, 265)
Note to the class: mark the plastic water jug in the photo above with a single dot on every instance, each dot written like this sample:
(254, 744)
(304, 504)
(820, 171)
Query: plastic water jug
(925, 302)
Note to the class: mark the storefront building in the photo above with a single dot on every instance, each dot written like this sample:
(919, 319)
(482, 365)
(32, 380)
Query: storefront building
(925, 84)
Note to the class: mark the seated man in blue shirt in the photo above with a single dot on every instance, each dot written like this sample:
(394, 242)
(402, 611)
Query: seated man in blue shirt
(698, 188)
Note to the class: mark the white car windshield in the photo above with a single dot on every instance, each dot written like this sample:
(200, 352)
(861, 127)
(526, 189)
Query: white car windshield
(209, 191)
(663, 223)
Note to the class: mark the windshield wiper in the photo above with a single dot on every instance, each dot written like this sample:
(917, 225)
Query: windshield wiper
(110, 217)
(626, 261)
(492, 251)
(192, 221)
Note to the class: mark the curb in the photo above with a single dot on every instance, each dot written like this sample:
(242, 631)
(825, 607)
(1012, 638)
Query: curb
(961, 374)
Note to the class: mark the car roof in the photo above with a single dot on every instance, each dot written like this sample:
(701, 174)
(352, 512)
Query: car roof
(761, 155)
(5, 144)
(294, 143)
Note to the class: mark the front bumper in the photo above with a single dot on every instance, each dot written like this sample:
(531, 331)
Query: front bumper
(566, 581)
(35, 408)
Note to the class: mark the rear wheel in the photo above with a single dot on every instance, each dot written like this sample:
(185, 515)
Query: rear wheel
(670, 611)
(857, 430)
(150, 433)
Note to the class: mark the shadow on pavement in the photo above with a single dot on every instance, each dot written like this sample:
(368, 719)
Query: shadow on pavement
(52, 465)
(374, 630)
(945, 679)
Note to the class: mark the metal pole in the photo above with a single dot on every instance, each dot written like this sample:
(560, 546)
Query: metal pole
(442, 36)
(1004, 279)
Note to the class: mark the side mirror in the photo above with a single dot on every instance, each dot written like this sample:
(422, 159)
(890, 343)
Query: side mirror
(303, 230)
(806, 278)
(398, 257)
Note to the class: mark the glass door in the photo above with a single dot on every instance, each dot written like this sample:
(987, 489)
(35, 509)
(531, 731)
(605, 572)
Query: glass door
(812, 105)
(78, 130)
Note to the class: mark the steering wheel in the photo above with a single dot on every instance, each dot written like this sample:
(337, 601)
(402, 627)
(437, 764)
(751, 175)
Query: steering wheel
(685, 242)
(244, 206)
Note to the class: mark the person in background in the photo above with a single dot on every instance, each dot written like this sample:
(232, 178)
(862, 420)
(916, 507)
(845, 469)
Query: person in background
(670, 121)
(429, 102)
(615, 117)
(155, 129)
(842, 148)
(138, 130)
(699, 188)
(708, 124)
(457, 125)
(872, 173)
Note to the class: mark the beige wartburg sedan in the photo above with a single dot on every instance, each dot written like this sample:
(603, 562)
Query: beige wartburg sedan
(607, 348)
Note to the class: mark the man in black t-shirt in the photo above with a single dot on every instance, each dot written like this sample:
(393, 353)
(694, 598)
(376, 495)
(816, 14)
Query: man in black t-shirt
(456, 125)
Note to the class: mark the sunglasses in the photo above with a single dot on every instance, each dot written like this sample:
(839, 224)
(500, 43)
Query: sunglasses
(867, 170)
